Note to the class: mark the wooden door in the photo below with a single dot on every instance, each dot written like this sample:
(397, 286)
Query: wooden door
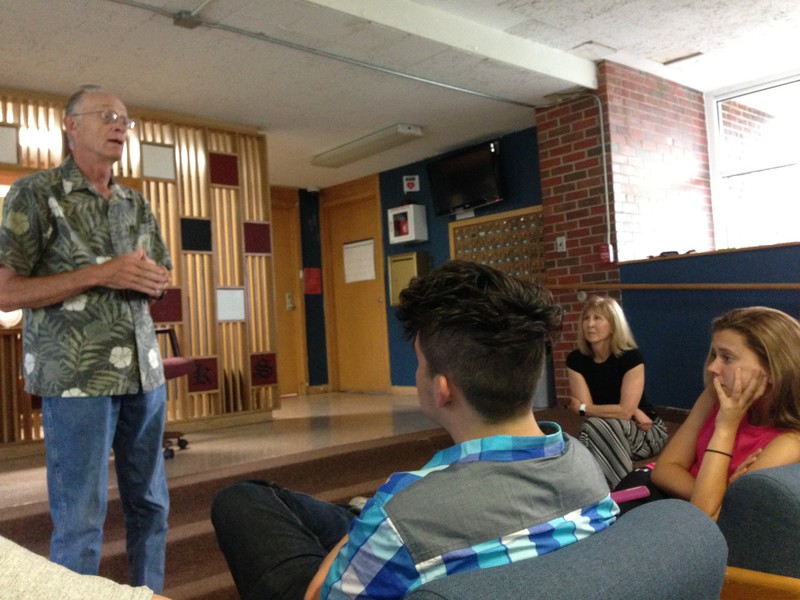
(289, 304)
(355, 307)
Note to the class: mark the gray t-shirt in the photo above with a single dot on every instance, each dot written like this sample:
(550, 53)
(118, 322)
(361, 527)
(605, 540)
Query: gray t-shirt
(24, 574)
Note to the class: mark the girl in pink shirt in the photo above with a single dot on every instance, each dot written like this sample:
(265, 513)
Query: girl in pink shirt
(749, 440)
(748, 416)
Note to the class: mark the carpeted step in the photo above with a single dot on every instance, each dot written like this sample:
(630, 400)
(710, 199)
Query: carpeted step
(196, 569)
(214, 587)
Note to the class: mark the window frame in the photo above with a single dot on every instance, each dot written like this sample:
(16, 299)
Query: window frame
(713, 103)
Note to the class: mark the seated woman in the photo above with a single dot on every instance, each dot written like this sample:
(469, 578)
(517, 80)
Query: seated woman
(748, 416)
(606, 382)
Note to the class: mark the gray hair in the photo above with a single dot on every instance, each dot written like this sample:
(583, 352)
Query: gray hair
(76, 98)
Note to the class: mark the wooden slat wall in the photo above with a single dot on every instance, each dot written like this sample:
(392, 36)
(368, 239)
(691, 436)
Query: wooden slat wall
(227, 235)
(197, 274)
(18, 422)
(38, 118)
(253, 179)
(229, 250)
(9, 350)
(193, 172)
(259, 269)
(163, 196)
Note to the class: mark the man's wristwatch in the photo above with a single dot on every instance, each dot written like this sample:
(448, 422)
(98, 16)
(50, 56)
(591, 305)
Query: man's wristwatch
(582, 410)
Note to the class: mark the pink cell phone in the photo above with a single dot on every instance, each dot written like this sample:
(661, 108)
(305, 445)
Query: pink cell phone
(634, 493)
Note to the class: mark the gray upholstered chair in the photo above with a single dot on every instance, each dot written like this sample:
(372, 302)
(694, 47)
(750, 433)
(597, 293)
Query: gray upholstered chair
(666, 549)
(760, 519)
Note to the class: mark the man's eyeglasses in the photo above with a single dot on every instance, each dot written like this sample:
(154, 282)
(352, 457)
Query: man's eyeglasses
(109, 117)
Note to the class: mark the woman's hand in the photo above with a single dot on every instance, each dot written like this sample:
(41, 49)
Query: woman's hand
(733, 406)
(642, 421)
(573, 404)
(745, 466)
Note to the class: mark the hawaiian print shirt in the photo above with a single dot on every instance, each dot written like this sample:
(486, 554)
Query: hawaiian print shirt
(101, 342)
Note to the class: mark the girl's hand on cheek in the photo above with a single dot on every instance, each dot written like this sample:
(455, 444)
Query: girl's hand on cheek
(734, 406)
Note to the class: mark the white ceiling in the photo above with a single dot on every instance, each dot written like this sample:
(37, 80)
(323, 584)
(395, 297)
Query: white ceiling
(314, 74)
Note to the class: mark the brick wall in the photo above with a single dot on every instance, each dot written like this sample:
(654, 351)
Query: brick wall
(656, 156)
(659, 162)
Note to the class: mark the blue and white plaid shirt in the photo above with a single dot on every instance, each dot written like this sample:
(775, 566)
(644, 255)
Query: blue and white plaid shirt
(483, 503)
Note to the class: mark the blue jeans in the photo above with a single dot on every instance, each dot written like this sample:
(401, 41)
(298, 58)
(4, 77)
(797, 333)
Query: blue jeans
(273, 539)
(79, 435)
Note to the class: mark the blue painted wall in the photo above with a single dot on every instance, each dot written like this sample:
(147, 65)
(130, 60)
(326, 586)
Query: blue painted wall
(672, 328)
(311, 245)
(521, 189)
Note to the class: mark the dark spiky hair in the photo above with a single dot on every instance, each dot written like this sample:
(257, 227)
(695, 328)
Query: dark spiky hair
(485, 330)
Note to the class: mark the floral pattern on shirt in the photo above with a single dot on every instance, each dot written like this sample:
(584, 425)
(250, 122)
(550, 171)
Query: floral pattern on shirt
(101, 342)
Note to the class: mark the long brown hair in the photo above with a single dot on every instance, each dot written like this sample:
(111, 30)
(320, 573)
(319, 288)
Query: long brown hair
(775, 338)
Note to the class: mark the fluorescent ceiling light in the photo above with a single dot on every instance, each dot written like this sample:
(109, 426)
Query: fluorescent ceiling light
(366, 146)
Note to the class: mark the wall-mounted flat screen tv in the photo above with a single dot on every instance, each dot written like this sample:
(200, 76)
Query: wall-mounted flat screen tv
(466, 179)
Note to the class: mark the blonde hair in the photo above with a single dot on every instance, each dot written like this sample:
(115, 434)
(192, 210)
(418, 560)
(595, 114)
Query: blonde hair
(621, 335)
(774, 336)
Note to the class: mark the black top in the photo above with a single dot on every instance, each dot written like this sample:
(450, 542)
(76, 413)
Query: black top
(605, 379)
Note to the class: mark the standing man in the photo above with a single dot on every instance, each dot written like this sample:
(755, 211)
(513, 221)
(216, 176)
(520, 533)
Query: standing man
(83, 256)
(510, 488)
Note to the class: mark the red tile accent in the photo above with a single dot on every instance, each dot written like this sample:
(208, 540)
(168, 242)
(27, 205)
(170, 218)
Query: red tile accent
(169, 309)
(263, 369)
(257, 238)
(223, 168)
(204, 377)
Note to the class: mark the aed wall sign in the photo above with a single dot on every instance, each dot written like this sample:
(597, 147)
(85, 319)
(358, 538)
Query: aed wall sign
(410, 183)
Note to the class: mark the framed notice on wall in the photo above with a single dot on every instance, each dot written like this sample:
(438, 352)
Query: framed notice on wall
(158, 161)
(359, 261)
(9, 145)
(231, 305)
